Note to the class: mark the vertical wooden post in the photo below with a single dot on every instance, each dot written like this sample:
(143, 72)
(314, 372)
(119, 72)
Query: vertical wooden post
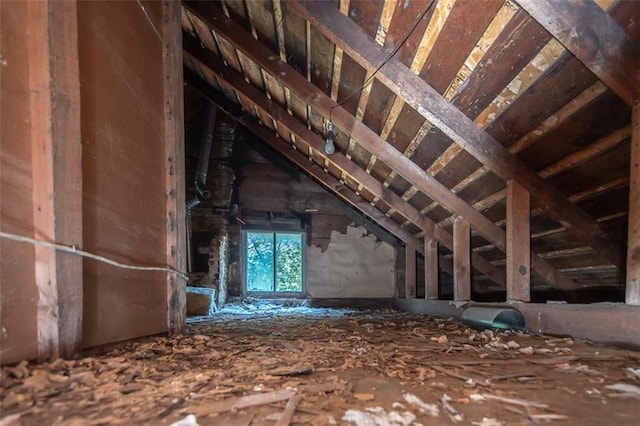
(632, 296)
(461, 259)
(57, 173)
(430, 268)
(175, 163)
(518, 246)
(410, 275)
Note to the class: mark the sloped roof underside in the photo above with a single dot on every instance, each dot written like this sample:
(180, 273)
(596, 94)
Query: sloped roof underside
(471, 95)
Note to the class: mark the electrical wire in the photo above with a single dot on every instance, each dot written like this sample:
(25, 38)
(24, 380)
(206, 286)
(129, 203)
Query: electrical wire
(386, 61)
(74, 250)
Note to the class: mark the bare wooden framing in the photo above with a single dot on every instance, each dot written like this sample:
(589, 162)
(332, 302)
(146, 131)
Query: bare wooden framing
(608, 51)
(427, 102)
(174, 164)
(410, 282)
(431, 282)
(518, 246)
(461, 259)
(57, 173)
(302, 132)
(632, 294)
(368, 139)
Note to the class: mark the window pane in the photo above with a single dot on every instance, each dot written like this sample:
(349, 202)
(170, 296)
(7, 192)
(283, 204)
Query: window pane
(259, 261)
(288, 262)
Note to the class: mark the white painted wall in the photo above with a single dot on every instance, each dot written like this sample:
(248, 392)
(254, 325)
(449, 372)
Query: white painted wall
(354, 265)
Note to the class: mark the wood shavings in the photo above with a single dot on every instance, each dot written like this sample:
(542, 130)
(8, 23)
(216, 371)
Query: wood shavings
(260, 357)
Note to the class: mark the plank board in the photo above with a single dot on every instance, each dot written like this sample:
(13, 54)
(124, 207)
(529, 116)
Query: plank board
(431, 276)
(174, 166)
(410, 272)
(632, 295)
(18, 289)
(124, 182)
(57, 174)
(518, 248)
(461, 260)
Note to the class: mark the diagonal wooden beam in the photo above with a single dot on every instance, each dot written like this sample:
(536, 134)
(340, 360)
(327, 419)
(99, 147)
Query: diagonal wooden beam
(423, 98)
(301, 132)
(226, 29)
(595, 38)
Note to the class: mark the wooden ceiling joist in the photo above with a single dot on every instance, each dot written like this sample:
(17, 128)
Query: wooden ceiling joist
(596, 39)
(417, 93)
(225, 28)
(301, 132)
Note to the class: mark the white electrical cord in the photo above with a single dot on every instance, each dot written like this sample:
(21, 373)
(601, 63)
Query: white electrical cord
(74, 250)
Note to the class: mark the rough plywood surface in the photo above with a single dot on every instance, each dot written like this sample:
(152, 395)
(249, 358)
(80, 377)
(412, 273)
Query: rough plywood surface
(124, 199)
(354, 265)
(18, 293)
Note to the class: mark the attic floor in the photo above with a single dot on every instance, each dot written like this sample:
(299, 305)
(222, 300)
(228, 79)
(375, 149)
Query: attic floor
(365, 367)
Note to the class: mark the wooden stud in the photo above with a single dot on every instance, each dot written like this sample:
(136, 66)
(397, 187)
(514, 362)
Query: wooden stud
(461, 259)
(57, 173)
(174, 165)
(633, 252)
(410, 282)
(431, 283)
(601, 44)
(424, 99)
(518, 246)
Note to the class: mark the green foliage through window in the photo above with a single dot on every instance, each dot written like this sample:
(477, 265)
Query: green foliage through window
(273, 261)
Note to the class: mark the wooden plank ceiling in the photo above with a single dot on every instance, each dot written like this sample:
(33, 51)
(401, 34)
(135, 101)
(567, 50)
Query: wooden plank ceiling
(436, 105)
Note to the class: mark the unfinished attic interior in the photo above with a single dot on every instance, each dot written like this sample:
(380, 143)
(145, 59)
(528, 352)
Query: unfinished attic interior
(304, 212)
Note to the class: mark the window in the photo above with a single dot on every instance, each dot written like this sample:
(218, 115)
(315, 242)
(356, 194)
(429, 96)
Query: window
(273, 262)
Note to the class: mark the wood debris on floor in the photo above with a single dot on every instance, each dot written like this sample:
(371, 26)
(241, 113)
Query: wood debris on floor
(322, 367)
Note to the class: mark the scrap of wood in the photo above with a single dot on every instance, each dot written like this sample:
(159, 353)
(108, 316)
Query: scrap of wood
(302, 371)
(547, 417)
(514, 401)
(239, 403)
(512, 376)
(458, 376)
(177, 403)
(287, 414)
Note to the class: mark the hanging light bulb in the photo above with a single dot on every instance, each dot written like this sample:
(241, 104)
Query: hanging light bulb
(329, 147)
